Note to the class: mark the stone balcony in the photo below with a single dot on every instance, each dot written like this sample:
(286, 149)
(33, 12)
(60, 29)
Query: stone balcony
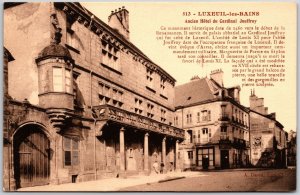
(118, 115)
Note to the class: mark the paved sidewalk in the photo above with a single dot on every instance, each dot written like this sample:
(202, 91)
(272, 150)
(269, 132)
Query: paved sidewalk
(115, 184)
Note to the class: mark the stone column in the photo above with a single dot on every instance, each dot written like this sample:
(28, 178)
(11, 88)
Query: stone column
(53, 161)
(146, 152)
(163, 151)
(177, 166)
(122, 150)
(57, 161)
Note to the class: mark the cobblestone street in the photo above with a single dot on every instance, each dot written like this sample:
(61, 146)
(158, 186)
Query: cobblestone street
(229, 180)
(224, 180)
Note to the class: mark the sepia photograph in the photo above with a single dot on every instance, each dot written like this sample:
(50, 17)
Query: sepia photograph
(149, 96)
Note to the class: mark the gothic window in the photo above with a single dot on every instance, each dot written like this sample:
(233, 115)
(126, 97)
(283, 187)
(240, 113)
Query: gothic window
(163, 115)
(138, 106)
(104, 94)
(109, 95)
(110, 56)
(149, 78)
(150, 110)
(163, 86)
(117, 98)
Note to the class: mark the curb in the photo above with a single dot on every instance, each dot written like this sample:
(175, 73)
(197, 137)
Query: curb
(170, 179)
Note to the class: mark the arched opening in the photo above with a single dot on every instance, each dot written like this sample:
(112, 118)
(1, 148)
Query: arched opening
(31, 156)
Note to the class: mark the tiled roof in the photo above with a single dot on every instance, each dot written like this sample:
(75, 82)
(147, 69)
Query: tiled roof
(195, 91)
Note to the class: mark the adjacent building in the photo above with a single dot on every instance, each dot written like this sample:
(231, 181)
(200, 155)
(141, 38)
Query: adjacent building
(81, 101)
(216, 124)
(267, 137)
(291, 148)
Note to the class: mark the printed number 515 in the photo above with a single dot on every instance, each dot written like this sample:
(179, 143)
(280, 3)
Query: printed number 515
(186, 13)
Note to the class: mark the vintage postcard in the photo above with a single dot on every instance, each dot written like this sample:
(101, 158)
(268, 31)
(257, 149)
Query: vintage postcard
(149, 96)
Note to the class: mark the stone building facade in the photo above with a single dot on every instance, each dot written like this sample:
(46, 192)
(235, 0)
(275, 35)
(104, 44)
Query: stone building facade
(82, 101)
(216, 124)
(268, 139)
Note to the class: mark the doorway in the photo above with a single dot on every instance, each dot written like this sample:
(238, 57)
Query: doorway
(205, 161)
(31, 157)
(205, 158)
(224, 159)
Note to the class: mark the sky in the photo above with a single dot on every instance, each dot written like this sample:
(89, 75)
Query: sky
(146, 18)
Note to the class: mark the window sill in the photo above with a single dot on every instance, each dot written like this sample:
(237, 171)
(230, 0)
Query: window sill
(150, 89)
(72, 48)
(161, 95)
(111, 69)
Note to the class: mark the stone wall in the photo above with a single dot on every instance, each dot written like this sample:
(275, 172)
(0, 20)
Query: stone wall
(25, 26)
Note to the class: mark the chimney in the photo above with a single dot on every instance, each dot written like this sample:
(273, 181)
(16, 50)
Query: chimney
(236, 94)
(257, 104)
(119, 20)
(252, 99)
(217, 76)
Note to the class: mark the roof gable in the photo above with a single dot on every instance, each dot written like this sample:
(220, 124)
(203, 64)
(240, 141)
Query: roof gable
(193, 92)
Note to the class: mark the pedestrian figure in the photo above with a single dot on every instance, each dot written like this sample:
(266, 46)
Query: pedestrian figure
(162, 167)
(171, 166)
(155, 167)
